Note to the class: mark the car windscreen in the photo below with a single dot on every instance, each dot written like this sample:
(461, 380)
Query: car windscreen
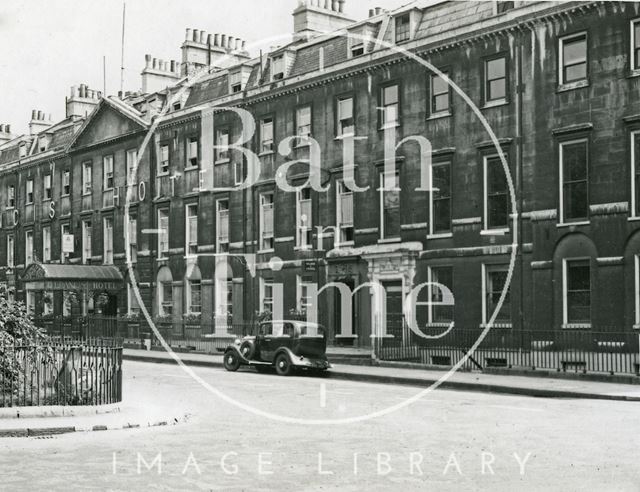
(311, 331)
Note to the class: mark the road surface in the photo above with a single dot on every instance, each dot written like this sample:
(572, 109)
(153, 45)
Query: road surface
(448, 440)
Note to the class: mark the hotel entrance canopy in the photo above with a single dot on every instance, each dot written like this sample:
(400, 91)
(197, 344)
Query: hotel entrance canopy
(72, 277)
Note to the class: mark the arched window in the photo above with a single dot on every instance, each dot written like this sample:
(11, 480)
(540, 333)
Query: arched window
(193, 291)
(224, 290)
(164, 289)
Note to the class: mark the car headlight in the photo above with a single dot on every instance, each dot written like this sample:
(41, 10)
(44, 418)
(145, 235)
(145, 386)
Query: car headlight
(237, 341)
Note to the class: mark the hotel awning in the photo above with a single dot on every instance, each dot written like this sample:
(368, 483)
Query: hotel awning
(72, 277)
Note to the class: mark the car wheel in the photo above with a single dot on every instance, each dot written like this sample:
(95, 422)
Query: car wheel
(283, 365)
(231, 361)
(247, 349)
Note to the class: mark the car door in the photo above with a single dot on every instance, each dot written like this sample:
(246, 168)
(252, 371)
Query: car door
(278, 334)
(264, 342)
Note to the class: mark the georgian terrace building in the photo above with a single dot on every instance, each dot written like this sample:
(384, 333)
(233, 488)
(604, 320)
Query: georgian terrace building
(557, 83)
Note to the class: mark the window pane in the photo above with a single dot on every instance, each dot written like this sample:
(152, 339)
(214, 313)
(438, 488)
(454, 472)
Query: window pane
(440, 103)
(574, 50)
(575, 72)
(497, 89)
(636, 34)
(579, 275)
(574, 157)
(390, 95)
(576, 200)
(496, 69)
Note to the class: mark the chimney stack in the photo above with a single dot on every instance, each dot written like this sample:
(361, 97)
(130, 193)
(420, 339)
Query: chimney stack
(5, 133)
(313, 17)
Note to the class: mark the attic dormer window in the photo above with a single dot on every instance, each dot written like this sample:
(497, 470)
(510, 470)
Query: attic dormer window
(403, 28)
(235, 82)
(23, 150)
(277, 67)
(357, 50)
(42, 144)
(503, 6)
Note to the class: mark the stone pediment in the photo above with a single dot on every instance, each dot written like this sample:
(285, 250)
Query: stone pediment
(107, 122)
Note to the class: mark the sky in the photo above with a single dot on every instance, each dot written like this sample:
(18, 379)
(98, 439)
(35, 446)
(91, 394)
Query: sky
(47, 46)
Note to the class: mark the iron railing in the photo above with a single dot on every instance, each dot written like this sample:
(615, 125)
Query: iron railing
(584, 351)
(87, 373)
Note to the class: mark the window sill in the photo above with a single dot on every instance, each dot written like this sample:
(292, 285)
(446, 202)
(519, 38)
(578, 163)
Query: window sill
(577, 223)
(264, 251)
(65, 195)
(222, 161)
(576, 326)
(87, 194)
(497, 324)
(636, 327)
(304, 145)
(495, 103)
(344, 244)
(46, 200)
(494, 232)
(191, 168)
(345, 136)
(439, 115)
(303, 248)
(442, 235)
(162, 175)
(634, 73)
(579, 84)
(389, 240)
(634, 219)
(266, 153)
(389, 126)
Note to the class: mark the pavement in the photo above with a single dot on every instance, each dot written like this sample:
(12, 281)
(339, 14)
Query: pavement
(461, 380)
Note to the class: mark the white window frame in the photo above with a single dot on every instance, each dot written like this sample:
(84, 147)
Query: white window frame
(162, 213)
(565, 306)
(238, 172)
(86, 240)
(302, 241)
(302, 287)
(189, 290)
(66, 182)
(131, 163)
(188, 214)
(431, 307)
(133, 237)
(381, 191)
(10, 251)
(263, 203)
(131, 298)
(263, 285)
(637, 290)
(341, 117)
(561, 145)
(634, 135)
(87, 178)
(275, 63)
(485, 278)
(28, 247)
(164, 164)
(29, 191)
(432, 111)
(46, 244)
(191, 143)
(222, 152)
(11, 197)
(561, 42)
(485, 199)
(632, 50)
(270, 147)
(108, 180)
(385, 106)
(301, 116)
(339, 240)
(47, 187)
(107, 241)
(161, 299)
(220, 241)
(65, 228)
(432, 233)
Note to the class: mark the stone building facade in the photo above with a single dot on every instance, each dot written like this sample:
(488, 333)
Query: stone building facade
(555, 82)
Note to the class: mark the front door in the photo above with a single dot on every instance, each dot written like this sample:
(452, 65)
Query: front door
(393, 313)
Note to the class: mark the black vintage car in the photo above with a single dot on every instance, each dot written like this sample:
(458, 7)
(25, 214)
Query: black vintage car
(285, 345)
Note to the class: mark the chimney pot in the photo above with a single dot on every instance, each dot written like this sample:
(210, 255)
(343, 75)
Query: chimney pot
(1, 128)
(173, 66)
(328, 4)
(223, 40)
(216, 39)
(7, 128)
(244, 44)
(154, 63)
(230, 40)
(378, 10)
(209, 40)
(195, 35)
(203, 36)
(238, 44)
(147, 61)
(73, 91)
(40, 116)
(34, 114)
(341, 6)
(188, 35)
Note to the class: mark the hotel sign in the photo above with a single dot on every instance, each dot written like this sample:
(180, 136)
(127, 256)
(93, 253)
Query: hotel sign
(46, 284)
